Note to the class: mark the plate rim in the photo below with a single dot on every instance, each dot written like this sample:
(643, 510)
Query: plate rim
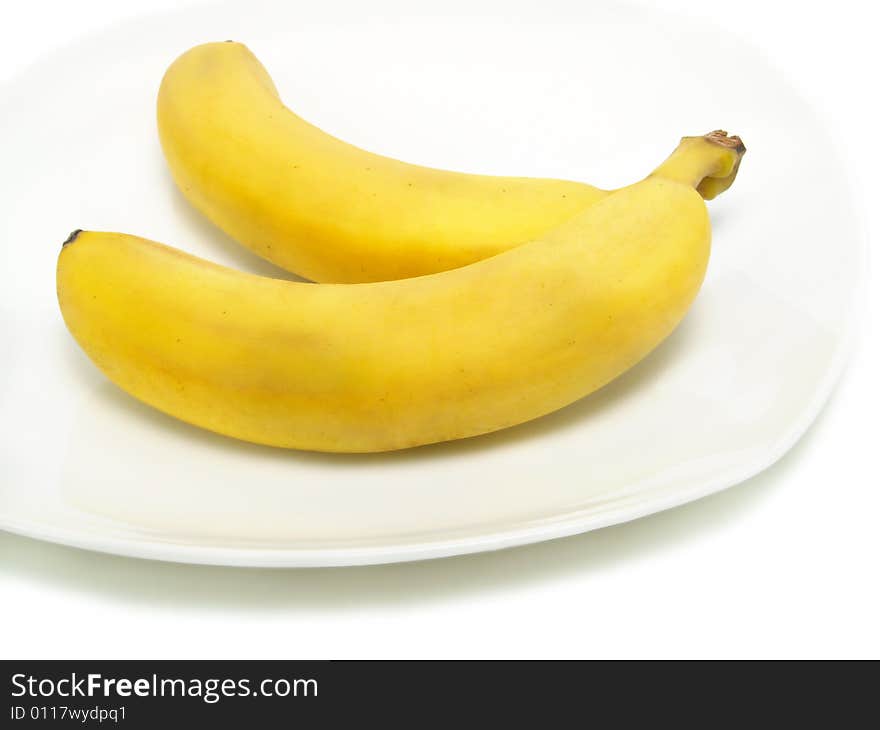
(564, 525)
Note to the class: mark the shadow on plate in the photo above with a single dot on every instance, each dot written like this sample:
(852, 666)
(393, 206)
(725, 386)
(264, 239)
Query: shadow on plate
(352, 589)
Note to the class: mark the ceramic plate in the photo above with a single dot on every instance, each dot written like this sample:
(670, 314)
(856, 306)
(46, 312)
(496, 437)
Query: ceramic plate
(585, 91)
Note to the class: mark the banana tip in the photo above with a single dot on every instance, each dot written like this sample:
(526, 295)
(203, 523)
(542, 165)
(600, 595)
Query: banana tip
(72, 237)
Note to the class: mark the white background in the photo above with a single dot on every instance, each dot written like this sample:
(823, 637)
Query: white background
(783, 565)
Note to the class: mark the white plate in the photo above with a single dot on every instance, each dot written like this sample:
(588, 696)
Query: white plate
(594, 93)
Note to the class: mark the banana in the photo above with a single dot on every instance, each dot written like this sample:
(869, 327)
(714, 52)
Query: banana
(389, 365)
(323, 208)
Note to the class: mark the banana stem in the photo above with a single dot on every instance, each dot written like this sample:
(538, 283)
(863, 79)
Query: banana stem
(708, 163)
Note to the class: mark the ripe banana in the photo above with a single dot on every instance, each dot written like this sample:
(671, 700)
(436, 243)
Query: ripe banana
(322, 208)
(388, 365)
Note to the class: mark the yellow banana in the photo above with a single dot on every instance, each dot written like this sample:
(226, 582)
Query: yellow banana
(325, 209)
(388, 365)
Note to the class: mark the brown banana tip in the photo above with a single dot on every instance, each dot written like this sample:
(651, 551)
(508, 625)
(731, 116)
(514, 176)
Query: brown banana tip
(720, 137)
(71, 238)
